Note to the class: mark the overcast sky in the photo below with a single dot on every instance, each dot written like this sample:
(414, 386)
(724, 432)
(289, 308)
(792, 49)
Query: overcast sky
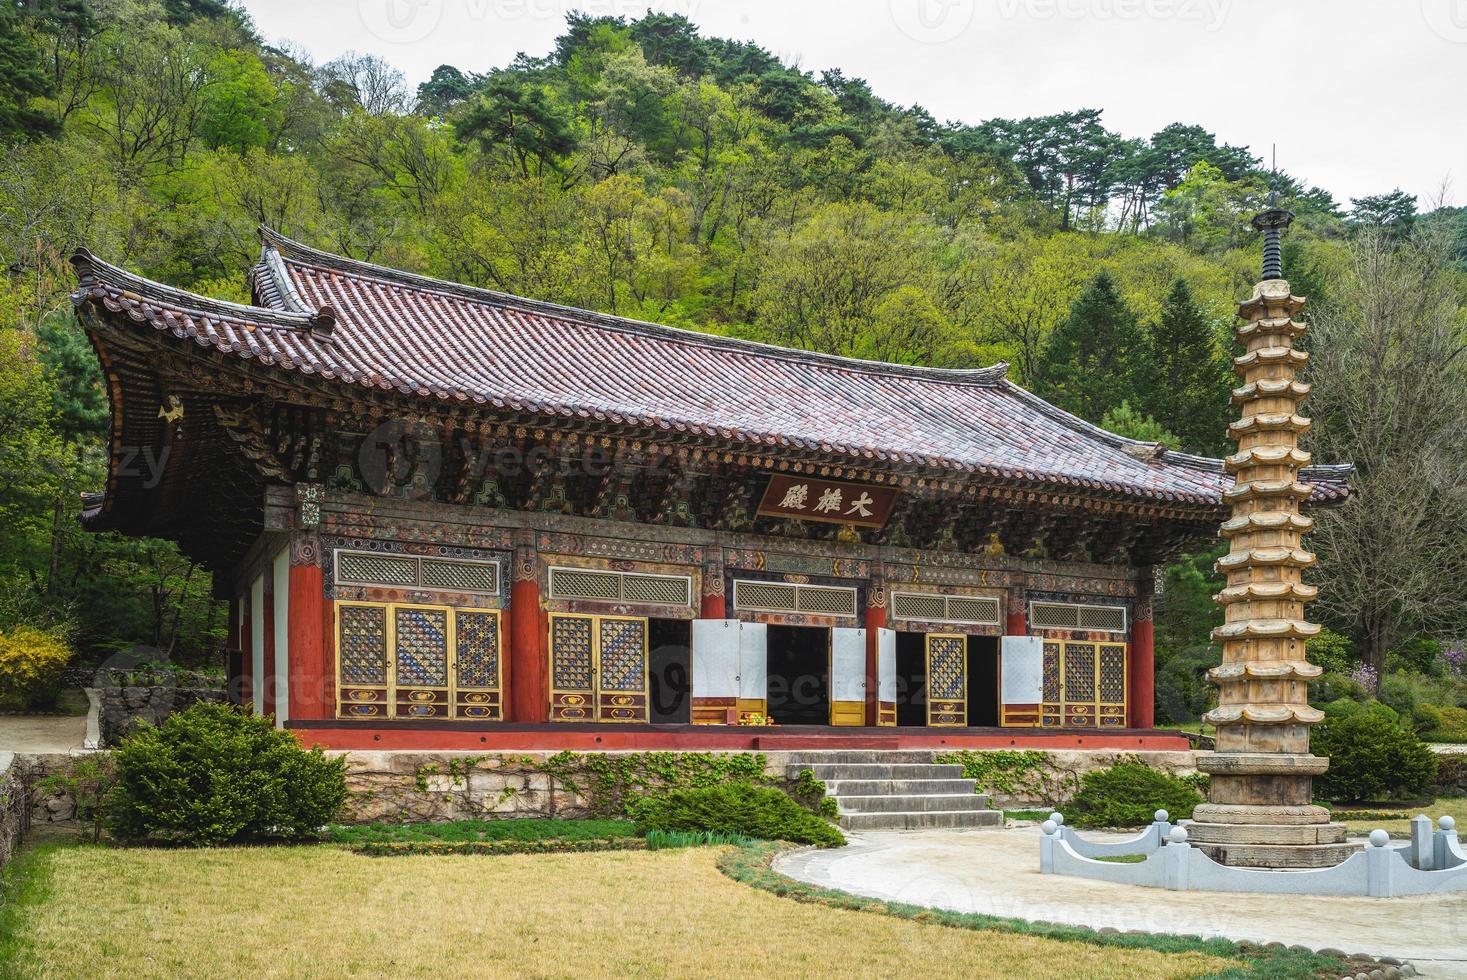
(1361, 96)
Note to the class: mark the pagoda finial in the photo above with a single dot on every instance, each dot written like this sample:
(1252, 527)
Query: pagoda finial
(1272, 223)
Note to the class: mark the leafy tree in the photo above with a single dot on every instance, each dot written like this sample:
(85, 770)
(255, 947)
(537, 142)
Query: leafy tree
(240, 105)
(1388, 361)
(1093, 358)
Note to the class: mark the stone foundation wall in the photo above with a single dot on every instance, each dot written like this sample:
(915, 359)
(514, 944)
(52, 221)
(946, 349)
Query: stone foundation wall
(1059, 779)
(122, 707)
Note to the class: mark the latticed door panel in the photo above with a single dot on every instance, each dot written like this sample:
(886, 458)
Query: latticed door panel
(572, 668)
(947, 679)
(598, 668)
(1051, 710)
(362, 665)
(420, 653)
(477, 691)
(1111, 691)
(1084, 684)
(1079, 697)
(622, 673)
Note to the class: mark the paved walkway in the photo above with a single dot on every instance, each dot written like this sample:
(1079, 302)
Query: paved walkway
(42, 733)
(997, 872)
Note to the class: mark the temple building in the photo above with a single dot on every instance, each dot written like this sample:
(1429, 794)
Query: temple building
(445, 517)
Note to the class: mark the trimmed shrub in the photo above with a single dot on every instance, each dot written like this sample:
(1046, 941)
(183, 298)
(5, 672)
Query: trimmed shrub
(1127, 795)
(1347, 707)
(735, 808)
(1451, 724)
(215, 775)
(1371, 758)
(31, 662)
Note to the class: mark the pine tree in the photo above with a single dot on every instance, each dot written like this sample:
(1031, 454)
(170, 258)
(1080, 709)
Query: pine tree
(1186, 379)
(1093, 358)
(21, 80)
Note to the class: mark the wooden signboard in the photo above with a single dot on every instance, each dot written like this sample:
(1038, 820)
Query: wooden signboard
(809, 499)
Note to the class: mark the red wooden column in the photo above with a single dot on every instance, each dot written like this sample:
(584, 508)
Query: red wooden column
(305, 631)
(1142, 683)
(234, 661)
(1016, 623)
(247, 651)
(875, 620)
(713, 605)
(529, 661)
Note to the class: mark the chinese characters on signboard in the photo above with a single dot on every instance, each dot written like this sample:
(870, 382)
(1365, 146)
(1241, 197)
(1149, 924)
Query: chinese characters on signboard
(810, 499)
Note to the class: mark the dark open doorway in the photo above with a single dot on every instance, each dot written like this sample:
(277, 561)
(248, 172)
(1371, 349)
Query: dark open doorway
(799, 675)
(911, 678)
(669, 669)
(983, 680)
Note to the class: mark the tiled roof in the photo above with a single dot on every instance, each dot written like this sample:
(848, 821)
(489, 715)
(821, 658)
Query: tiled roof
(367, 325)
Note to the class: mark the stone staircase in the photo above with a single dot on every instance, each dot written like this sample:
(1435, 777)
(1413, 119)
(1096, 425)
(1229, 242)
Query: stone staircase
(896, 789)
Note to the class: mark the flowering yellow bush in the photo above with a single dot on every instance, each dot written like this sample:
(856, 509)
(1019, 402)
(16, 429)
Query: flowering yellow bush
(31, 662)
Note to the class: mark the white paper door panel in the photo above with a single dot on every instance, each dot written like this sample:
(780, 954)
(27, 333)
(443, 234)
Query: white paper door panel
(715, 658)
(1022, 667)
(753, 661)
(847, 664)
(886, 665)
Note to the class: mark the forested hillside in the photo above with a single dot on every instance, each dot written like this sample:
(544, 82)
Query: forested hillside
(639, 168)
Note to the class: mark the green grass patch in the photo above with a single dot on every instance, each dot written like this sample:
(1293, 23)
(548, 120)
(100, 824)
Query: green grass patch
(751, 866)
(1123, 858)
(658, 840)
(24, 883)
(467, 831)
(1040, 815)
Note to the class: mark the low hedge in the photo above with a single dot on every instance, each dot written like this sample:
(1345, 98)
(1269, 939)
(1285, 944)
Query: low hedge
(550, 845)
(735, 808)
(1128, 795)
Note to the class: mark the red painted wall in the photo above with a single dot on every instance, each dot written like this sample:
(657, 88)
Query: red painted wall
(1143, 676)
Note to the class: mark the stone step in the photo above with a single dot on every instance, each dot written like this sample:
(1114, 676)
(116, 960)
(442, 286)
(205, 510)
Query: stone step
(899, 787)
(922, 820)
(877, 770)
(902, 804)
(860, 756)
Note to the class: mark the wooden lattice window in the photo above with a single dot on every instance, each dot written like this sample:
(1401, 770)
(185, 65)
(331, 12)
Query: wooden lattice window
(410, 571)
(1077, 616)
(408, 660)
(937, 608)
(588, 583)
(824, 600)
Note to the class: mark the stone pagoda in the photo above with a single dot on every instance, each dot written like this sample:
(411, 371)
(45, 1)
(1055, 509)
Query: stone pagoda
(1260, 811)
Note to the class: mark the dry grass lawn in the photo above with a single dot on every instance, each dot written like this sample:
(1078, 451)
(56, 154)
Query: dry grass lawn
(324, 912)
(1400, 823)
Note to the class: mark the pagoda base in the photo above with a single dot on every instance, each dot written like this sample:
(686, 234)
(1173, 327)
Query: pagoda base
(1267, 836)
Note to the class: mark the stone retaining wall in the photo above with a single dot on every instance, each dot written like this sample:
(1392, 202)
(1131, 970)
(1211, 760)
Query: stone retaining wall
(14, 813)
(119, 708)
